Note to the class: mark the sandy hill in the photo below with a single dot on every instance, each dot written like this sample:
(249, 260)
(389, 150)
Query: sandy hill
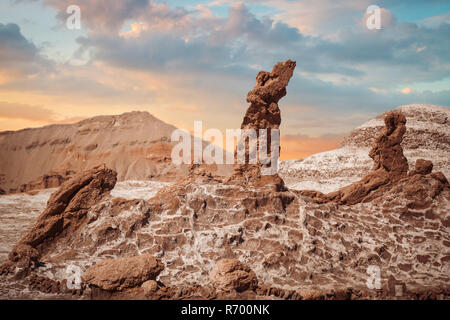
(135, 144)
(427, 137)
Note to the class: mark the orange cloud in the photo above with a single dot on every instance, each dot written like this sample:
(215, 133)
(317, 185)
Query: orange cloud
(407, 90)
(136, 29)
(300, 146)
(16, 116)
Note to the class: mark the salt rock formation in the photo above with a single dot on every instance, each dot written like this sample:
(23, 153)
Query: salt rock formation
(427, 128)
(387, 153)
(292, 245)
(263, 112)
(121, 273)
(422, 167)
(231, 274)
(390, 165)
(66, 210)
(427, 137)
(422, 186)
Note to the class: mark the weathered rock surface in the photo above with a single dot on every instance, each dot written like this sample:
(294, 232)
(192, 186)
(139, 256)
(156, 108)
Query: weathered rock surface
(427, 128)
(231, 274)
(296, 248)
(121, 273)
(387, 152)
(66, 210)
(422, 167)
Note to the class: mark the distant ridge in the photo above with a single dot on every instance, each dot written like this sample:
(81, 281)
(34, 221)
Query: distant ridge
(135, 144)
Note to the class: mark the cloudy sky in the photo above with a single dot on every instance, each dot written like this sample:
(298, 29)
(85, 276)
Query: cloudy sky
(185, 60)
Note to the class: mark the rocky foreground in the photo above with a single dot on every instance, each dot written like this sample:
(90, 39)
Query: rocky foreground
(245, 236)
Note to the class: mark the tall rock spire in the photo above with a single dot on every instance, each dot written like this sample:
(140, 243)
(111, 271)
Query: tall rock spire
(263, 112)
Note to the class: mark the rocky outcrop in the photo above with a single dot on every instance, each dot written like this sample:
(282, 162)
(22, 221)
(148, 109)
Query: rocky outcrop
(320, 250)
(422, 167)
(231, 274)
(387, 152)
(121, 273)
(264, 113)
(422, 186)
(427, 137)
(390, 165)
(427, 129)
(66, 210)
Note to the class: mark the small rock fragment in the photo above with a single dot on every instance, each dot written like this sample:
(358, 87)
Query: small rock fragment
(149, 286)
(117, 274)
